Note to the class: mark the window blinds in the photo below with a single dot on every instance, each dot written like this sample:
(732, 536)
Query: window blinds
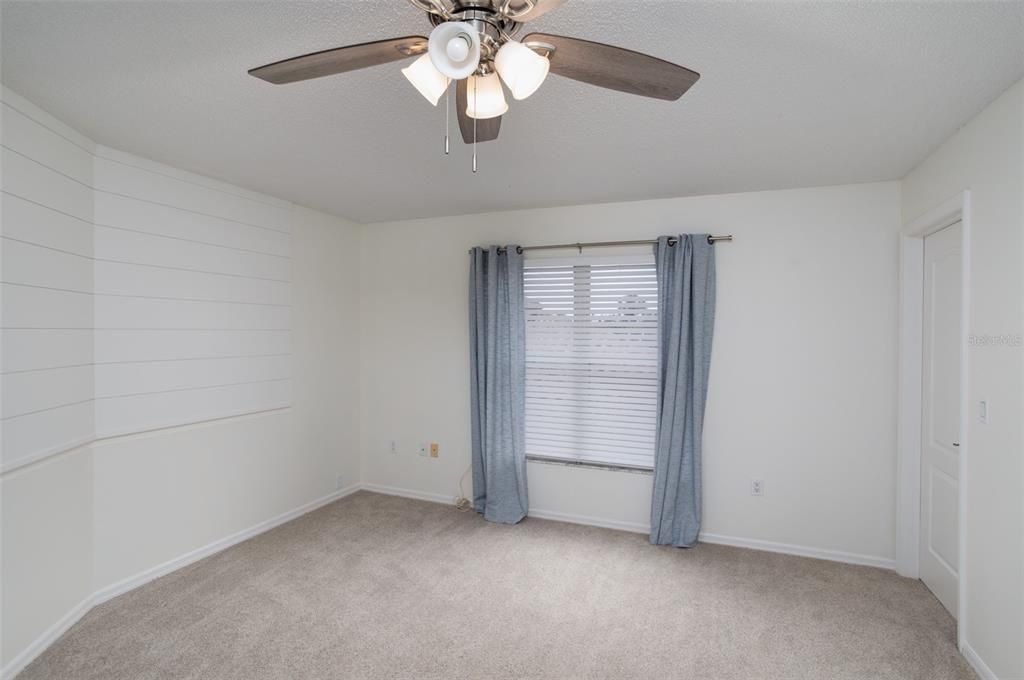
(591, 360)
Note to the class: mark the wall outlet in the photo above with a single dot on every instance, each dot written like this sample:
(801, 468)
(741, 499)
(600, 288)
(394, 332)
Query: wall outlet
(424, 450)
(394, 448)
(435, 450)
(757, 487)
(340, 482)
(983, 412)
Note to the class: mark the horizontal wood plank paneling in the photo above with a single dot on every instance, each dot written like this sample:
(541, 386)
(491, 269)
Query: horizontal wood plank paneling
(113, 380)
(12, 100)
(150, 313)
(32, 180)
(134, 295)
(136, 413)
(47, 277)
(44, 226)
(113, 346)
(32, 437)
(106, 153)
(192, 301)
(27, 136)
(32, 392)
(138, 280)
(30, 264)
(27, 349)
(142, 185)
(119, 212)
(146, 249)
(40, 308)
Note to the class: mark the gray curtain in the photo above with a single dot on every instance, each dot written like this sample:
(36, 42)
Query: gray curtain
(497, 333)
(686, 309)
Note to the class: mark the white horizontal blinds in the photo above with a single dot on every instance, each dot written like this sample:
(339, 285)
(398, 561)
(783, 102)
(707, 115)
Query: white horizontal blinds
(592, 360)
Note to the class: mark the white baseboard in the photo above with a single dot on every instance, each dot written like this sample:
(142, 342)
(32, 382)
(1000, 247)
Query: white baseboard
(641, 528)
(635, 527)
(979, 666)
(800, 551)
(26, 656)
(133, 582)
(409, 493)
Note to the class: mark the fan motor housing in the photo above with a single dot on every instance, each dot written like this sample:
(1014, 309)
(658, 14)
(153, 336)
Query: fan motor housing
(492, 27)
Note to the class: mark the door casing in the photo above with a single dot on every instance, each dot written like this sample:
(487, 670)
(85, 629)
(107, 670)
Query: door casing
(911, 313)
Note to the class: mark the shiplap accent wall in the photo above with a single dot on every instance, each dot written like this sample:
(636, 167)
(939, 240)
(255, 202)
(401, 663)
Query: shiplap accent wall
(47, 285)
(135, 295)
(192, 288)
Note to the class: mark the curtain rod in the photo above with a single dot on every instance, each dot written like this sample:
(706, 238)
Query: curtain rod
(600, 244)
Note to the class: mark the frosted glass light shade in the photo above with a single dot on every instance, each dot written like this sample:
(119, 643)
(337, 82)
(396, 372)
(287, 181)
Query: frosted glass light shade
(454, 47)
(484, 97)
(428, 80)
(522, 69)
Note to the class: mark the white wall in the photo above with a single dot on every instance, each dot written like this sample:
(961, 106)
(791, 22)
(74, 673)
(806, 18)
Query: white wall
(191, 298)
(190, 486)
(47, 336)
(87, 519)
(987, 157)
(136, 296)
(803, 376)
(802, 390)
(46, 521)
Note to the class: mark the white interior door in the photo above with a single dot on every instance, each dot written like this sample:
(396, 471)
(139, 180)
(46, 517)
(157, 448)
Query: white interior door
(940, 417)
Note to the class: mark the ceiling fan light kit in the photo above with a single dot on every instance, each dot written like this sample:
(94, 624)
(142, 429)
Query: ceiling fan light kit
(430, 82)
(522, 69)
(486, 99)
(472, 42)
(454, 47)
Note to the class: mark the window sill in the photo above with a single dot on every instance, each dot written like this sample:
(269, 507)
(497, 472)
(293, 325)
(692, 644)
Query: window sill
(590, 465)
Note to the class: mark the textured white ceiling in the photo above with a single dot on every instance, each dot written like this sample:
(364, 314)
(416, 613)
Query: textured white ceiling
(791, 95)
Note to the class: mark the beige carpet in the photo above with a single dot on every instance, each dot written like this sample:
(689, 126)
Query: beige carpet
(379, 587)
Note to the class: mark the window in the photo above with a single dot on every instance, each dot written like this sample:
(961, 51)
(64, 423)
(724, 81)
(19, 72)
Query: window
(592, 360)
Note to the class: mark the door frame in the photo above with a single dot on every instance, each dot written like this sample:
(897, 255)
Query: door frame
(911, 337)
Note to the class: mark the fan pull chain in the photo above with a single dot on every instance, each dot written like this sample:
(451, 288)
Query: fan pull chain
(475, 110)
(447, 117)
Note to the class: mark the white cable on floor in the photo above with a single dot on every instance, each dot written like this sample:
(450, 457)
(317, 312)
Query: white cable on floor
(462, 503)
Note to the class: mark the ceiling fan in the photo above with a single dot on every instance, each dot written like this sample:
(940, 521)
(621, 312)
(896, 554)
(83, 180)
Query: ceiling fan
(473, 43)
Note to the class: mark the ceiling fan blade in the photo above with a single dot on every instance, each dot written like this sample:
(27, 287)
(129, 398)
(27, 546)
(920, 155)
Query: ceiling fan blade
(486, 128)
(532, 10)
(340, 60)
(616, 68)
